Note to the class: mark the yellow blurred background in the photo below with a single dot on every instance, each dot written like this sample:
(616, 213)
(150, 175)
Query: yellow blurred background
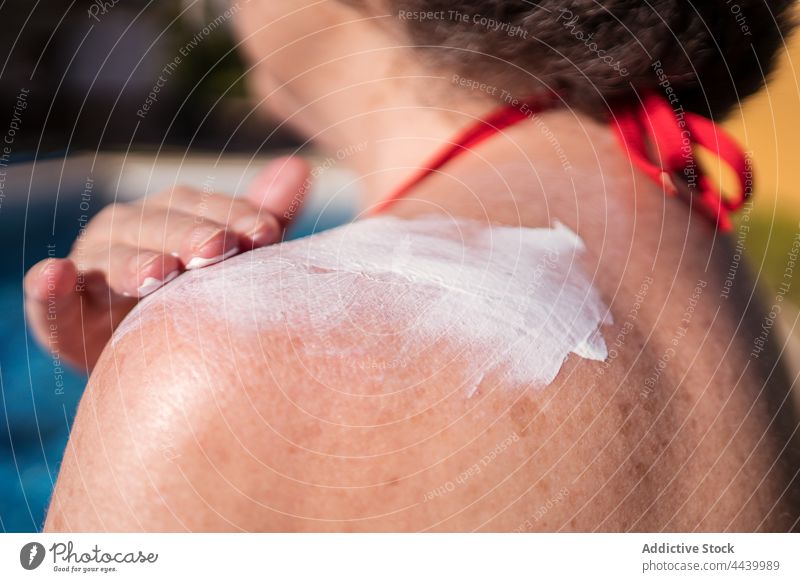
(768, 125)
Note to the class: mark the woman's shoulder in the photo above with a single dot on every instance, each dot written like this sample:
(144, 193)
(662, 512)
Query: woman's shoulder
(410, 375)
(273, 434)
(385, 293)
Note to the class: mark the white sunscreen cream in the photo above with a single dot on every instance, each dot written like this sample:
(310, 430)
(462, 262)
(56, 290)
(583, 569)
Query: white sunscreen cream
(507, 299)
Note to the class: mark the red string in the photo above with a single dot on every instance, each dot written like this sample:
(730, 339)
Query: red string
(673, 135)
(654, 124)
(481, 130)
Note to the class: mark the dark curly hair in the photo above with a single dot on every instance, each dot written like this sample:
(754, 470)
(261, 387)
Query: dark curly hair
(597, 53)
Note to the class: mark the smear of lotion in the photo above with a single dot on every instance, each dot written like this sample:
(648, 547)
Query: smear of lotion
(510, 299)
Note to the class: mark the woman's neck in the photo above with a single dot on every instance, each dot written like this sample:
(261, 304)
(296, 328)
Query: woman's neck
(561, 167)
(556, 166)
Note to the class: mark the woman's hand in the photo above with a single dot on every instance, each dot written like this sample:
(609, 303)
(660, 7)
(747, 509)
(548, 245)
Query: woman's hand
(130, 250)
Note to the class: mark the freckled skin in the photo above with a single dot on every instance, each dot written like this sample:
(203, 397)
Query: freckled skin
(231, 429)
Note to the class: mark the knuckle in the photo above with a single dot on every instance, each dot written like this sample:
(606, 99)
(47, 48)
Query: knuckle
(183, 192)
(101, 226)
(109, 214)
(178, 197)
(104, 215)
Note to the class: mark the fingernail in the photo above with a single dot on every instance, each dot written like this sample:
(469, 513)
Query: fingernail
(246, 225)
(147, 263)
(200, 262)
(263, 237)
(46, 267)
(151, 284)
(258, 233)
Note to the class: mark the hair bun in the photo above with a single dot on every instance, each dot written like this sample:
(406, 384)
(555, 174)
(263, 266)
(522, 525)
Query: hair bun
(596, 54)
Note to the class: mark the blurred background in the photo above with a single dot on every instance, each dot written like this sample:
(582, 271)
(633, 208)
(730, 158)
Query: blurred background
(85, 121)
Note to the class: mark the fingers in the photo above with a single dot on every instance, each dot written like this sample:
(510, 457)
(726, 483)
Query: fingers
(196, 241)
(274, 199)
(197, 228)
(50, 279)
(71, 314)
(203, 228)
(130, 271)
(130, 250)
(253, 228)
(281, 188)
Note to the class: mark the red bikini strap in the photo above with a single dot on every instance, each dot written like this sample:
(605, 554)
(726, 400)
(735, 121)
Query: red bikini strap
(484, 128)
(673, 135)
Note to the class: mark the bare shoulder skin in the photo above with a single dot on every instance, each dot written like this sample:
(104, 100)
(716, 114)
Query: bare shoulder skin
(195, 423)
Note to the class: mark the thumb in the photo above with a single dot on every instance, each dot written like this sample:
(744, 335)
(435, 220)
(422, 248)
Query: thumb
(281, 188)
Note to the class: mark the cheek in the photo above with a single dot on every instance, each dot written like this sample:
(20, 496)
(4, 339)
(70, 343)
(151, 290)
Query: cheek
(246, 23)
